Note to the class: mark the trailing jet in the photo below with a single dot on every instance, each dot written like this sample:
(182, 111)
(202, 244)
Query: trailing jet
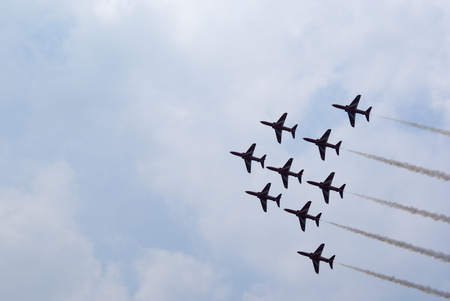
(285, 173)
(326, 187)
(316, 257)
(303, 215)
(352, 109)
(248, 157)
(322, 143)
(279, 127)
(264, 196)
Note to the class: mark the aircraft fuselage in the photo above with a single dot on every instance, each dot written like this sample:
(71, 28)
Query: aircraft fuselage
(300, 214)
(282, 170)
(314, 257)
(318, 142)
(261, 195)
(276, 125)
(245, 156)
(322, 185)
(349, 109)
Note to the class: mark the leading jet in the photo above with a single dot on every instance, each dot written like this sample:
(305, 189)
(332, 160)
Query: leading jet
(279, 127)
(285, 172)
(326, 187)
(316, 258)
(303, 215)
(248, 157)
(352, 109)
(322, 143)
(263, 196)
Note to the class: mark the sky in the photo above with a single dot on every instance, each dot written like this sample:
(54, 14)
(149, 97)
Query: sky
(116, 122)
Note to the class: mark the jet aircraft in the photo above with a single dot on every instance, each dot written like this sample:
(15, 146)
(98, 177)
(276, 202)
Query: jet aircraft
(248, 157)
(316, 257)
(352, 109)
(285, 173)
(322, 143)
(303, 215)
(279, 127)
(264, 196)
(326, 187)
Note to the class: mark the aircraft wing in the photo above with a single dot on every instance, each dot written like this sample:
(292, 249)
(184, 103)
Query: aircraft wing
(329, 179)
(326, 194)
(288, 164)
(285, 177)
(319, 250)
(302, 222)
(281, 120)
(306, 207)
(316, 264)
(248, 164)
(264, 204)
(251, 149)
(355, 102)
(266, 189)
(325, 136)
(278, 133)
(351, 116)
(322, 151)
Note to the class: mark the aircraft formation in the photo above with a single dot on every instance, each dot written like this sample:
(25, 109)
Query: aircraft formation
(285, 172)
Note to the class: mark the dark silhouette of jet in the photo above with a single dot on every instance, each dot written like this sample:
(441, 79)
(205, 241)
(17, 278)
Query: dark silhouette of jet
(322, 143)
(326, 187)
(352, 109)
(316, 258)
(248, 157)
(279, 127)
(303, 215)
(264, 196)
(285, 173)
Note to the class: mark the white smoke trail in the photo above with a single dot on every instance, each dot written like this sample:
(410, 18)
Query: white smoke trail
(420, 126)
(413, 210)
(423, 288)
(397, 243)
(429, 172)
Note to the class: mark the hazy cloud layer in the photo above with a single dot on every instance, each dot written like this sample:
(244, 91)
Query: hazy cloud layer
(117, 118)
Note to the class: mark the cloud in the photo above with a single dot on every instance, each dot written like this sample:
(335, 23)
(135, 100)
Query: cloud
(45, 257)
(146, 99)
(165, 275)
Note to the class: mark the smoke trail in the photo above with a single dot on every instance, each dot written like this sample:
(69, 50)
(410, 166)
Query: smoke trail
(420, 126)
(397, 243)
(435, 216)
(423, 288)
(429, 172)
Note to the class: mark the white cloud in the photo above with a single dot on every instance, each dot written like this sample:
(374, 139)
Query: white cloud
(165, 275)
(163, 90)
(44, 256)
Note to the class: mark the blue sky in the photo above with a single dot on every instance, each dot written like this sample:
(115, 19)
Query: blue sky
(117, 118)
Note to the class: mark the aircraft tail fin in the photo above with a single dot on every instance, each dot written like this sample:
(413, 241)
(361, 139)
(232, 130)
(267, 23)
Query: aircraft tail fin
(338, 145)
(367, 113)
(262, 160)
(331, 261)
(341, 191)
(299, 176)
(293, 130)
(318, 219)
(277, 199)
